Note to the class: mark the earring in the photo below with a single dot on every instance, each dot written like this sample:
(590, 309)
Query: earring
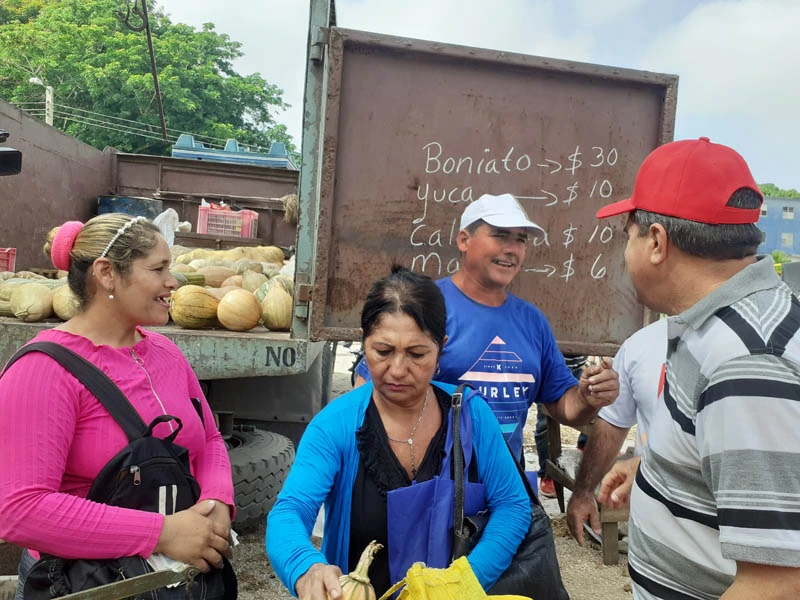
(438, 370)
(111, 296)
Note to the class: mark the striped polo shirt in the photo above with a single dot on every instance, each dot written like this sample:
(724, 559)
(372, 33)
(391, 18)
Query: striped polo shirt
(719, 481)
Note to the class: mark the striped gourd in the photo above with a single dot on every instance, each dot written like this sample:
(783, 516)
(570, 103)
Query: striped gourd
(356, 585)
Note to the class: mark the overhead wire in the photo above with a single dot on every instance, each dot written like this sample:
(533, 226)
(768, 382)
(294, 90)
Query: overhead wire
(119, 124)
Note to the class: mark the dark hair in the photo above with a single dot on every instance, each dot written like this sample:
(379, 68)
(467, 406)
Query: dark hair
(718, 242)
(473, 227)
(409, 293)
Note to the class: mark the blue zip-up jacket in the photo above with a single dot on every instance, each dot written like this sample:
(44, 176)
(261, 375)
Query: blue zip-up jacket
(325, 470)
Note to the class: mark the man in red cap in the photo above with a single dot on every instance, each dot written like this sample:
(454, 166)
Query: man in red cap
(715, 506)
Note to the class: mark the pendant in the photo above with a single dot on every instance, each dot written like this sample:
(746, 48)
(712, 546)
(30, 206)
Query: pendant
(410, 441)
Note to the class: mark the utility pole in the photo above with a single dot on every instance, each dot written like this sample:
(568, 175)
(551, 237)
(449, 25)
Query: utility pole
(49, 107)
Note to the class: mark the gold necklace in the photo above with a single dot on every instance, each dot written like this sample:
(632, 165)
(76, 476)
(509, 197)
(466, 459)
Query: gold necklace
(412, 433)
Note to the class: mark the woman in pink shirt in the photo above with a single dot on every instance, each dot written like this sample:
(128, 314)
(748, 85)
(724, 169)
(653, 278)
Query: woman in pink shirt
(55, 436)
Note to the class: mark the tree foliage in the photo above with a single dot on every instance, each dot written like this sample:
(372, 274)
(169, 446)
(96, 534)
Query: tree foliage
(98, 66)
(770, 189)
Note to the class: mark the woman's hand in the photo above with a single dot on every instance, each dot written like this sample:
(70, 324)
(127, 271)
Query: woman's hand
(192, 536)
(220, 514)
(320, 582)
(615, 489)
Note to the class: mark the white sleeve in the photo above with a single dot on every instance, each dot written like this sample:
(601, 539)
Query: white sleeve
(623, 412)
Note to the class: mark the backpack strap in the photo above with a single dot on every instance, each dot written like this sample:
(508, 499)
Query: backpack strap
(97, 382)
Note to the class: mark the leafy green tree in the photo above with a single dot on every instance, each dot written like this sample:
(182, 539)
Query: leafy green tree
(98, 67)
(20, 11)
(770, 189)
(780, 257)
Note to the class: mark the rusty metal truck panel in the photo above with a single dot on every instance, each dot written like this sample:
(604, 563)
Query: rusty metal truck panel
(61, 179)
(415, 130)
(213, 354)
(182, 183)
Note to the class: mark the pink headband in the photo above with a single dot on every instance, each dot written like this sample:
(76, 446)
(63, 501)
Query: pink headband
(62, 244)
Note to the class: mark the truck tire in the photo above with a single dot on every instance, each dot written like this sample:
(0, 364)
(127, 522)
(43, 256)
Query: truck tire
(260, 462)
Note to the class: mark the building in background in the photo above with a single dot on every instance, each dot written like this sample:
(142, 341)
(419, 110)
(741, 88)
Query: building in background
(780, 223)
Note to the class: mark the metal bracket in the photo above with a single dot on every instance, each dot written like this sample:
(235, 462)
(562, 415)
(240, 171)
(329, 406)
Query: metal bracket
(320, 37)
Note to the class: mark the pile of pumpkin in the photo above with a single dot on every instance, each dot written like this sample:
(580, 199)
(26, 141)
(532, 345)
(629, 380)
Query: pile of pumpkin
(237, 289)
(32, 297)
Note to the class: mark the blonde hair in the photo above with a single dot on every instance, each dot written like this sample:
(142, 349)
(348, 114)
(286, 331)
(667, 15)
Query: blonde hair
(131, 240)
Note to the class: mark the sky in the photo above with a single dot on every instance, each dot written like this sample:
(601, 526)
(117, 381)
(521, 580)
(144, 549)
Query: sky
(738, 60)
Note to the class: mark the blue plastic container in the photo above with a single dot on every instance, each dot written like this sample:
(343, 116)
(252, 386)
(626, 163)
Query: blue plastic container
(138, 207)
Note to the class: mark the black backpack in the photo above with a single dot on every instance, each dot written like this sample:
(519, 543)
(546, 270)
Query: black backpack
(150, 474)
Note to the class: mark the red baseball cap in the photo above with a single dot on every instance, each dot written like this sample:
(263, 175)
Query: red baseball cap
(691, 180)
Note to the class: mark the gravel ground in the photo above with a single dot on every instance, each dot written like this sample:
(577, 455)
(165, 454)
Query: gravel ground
(585, 576)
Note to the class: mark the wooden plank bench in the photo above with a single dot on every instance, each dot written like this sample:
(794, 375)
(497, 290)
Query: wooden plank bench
(609, 518)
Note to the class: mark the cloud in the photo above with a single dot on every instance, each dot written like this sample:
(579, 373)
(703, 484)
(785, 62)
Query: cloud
(737, 59)
(512, 25)
(737, 63)
(594, 13)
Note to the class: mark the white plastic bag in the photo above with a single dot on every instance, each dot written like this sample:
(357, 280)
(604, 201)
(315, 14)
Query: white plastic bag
(168, 222)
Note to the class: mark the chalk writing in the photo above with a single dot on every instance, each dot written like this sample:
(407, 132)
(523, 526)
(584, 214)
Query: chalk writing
(597, 272)
(604, 158)
(606, 233)
(433, 240)
(574, 161)
(605, 189)
(569, 235)
(569, 270)
(453, 195)
(554, 165)
(511, 162)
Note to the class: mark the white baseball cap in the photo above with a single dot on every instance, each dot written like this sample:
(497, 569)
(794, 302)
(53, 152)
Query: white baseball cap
(499, 211)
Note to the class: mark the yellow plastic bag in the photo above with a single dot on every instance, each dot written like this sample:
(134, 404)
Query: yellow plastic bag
(456, 582)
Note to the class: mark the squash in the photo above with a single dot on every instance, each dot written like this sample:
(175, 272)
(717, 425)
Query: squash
(181, 268)
(232, 281)
(356, 585)
(242, 265)
(29, 275)
(264, 254)
(251, 280)
(8, 286)
(193, 307)
(190, 278)
(276, 309)
(65, 303)
(239, 310)
(216, 275)
(32, 302)
(286, 281)
(219, 293)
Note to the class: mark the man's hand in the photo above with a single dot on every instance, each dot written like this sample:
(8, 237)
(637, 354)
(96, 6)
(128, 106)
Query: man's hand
(615, 490)
(582, 507)
(320, 582)
(599, 384)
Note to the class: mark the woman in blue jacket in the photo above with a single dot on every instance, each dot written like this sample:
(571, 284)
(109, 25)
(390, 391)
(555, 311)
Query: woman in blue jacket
(379, 460)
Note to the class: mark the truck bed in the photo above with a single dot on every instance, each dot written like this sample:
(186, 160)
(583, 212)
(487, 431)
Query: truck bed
(213, 353)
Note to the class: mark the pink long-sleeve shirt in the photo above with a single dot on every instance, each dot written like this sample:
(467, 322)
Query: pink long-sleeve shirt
(55, 437)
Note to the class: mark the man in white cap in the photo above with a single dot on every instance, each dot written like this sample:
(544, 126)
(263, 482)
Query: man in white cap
(715, 506)
(500, 344)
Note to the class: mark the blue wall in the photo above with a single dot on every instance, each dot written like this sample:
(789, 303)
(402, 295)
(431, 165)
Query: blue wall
(775, 225)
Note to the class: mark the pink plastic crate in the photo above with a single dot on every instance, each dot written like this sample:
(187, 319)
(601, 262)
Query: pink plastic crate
(8, 258)
(242, 223)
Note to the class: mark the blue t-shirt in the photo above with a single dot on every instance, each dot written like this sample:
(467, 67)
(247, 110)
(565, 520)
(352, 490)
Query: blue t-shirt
(508, 353)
